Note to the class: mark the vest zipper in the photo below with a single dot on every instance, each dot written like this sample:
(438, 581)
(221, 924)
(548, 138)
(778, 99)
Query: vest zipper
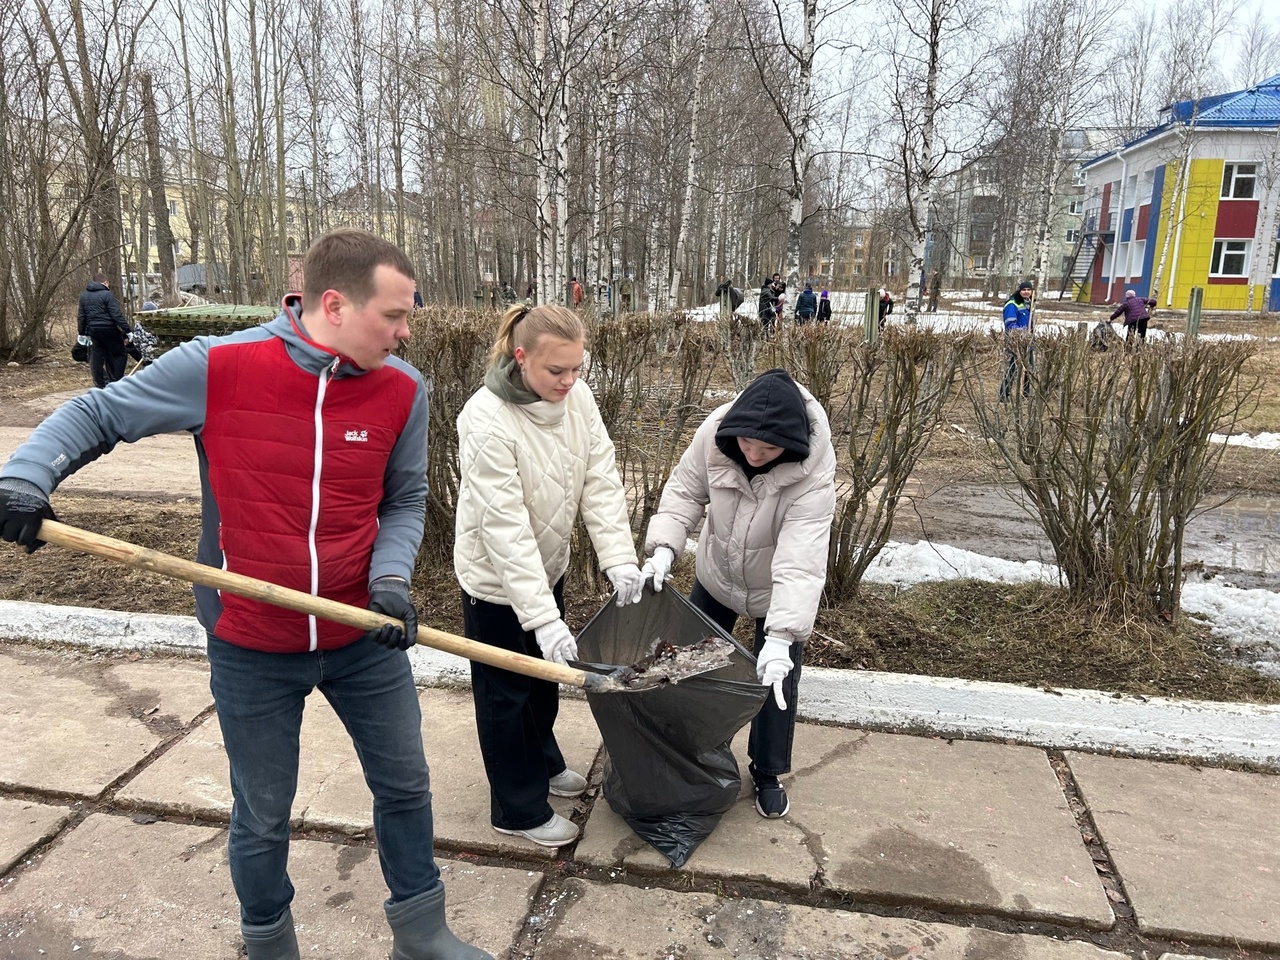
(315, 496)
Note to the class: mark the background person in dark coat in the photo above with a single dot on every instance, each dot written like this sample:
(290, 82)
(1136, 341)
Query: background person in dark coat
(806, 304)
(1137, 311)
(768, 306)
(102, 321)
(824, 307)
(886, 305)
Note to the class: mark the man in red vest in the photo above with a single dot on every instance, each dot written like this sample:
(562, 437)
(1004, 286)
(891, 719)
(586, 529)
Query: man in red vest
(312, 440)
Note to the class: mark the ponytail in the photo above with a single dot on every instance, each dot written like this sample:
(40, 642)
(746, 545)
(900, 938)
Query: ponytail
(505, 345)
(523, 326)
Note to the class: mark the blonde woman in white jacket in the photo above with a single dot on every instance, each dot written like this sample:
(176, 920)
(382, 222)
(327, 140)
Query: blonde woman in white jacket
(762, 469)
(534, 454)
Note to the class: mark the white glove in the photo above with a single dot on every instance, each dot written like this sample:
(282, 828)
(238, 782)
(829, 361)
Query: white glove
(628, 581)
(556, 642)
(773, 664)
(659, 567)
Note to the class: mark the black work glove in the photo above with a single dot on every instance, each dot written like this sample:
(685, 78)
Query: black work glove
(390, 595)
(23, 507)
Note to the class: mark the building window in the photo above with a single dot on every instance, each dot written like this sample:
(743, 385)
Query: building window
(1137, 255)
(1076, 207)
(292, 244)
(288, 217)
(173, 208)
(127, 235)
(1230, 258)
(1072, 236)
(1238, 180)
(1078, 177)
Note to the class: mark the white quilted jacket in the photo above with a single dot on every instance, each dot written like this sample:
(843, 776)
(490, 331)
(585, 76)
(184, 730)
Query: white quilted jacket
(763, 549)
(527, 471)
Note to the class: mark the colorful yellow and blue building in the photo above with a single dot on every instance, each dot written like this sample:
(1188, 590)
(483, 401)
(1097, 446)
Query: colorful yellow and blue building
(1193, 202)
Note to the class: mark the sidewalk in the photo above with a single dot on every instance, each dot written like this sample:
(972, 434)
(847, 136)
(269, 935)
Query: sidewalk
(114, 801)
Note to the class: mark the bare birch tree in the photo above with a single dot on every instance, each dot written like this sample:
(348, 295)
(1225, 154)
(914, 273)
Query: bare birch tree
(779, 57)
(938, 58)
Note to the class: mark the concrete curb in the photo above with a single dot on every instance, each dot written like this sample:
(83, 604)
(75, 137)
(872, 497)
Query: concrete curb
(1063, 719)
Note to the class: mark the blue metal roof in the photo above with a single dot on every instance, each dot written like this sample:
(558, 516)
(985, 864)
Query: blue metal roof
(1258, 106)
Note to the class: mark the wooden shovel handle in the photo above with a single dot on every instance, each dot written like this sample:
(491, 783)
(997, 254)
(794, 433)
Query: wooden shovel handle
(170, 566)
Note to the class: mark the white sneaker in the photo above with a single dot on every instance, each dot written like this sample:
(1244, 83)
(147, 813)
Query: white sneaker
(556, 832)
(568, 784)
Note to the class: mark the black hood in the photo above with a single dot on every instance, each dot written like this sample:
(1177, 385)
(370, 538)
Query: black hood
(771, 410)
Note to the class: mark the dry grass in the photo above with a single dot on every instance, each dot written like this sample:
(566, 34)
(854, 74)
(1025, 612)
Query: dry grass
(1032, 635)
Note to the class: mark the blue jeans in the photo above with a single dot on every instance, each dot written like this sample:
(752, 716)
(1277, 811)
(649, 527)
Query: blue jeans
(259, 698)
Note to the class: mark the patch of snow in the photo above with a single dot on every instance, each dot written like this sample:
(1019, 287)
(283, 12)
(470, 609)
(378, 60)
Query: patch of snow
(906, 564)
(1245, 618)
(1263, 441)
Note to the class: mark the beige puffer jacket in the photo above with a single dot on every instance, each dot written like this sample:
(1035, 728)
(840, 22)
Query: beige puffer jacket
(763, 549)
(527, 471)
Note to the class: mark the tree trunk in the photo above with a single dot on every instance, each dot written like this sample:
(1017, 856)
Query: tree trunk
(685, 212)
(922, 194)
(561, 273)
(155, 182)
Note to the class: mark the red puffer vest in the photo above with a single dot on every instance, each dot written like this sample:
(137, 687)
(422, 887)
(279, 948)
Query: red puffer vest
(296, 466)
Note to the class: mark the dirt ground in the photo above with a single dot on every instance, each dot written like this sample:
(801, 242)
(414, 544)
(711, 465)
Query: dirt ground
(1028, 634)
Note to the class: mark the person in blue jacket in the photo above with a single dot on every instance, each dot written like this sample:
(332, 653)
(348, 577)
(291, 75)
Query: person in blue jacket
(1017, 323)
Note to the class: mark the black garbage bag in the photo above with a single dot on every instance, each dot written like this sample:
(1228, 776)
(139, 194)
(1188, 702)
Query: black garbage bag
(670, 772)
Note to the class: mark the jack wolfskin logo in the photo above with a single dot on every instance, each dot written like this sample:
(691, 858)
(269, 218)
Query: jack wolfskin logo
(357, 436)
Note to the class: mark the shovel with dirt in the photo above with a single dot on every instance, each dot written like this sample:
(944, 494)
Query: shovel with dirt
(666, 664)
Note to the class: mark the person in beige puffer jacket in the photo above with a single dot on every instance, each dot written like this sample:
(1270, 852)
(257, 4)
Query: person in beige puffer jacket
(534, 454)
(762, 469)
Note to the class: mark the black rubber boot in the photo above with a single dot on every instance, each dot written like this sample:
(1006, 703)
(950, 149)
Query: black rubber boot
(420, 933)
(271, 941)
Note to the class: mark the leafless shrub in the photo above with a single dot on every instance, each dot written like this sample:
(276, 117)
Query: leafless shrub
(1113, 453)
(451, 347)
(885, 399)
(740, 338)
(892, 411)
(816, 354)
(620, 346)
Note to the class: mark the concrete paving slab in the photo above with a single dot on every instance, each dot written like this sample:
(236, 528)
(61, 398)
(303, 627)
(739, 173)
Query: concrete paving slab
(23, 824)
(1198, 850)
(602, 921)
(192, 777)
(962, 825)
(115, 888)
(73, 724)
